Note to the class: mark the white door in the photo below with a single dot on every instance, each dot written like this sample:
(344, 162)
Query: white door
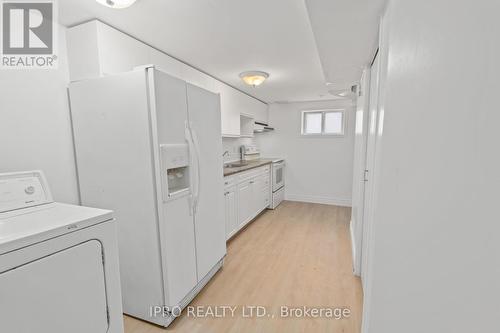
(359, 167)
(370, 163)
(58, 293)
(204, 118)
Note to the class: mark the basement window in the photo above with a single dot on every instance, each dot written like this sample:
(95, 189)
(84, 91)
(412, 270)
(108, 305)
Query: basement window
(323, 122)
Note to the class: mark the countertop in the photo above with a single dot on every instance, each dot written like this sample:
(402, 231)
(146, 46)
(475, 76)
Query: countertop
(251, 165)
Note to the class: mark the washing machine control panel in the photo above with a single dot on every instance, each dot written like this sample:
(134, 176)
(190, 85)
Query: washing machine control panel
(23, 189)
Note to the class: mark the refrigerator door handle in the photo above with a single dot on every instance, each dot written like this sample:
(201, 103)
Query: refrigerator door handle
(189, 140)
(198, 177)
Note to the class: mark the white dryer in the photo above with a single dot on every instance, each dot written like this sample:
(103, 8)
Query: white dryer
(58, 263)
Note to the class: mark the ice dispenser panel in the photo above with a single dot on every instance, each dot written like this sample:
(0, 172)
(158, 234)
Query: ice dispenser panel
(175, 163)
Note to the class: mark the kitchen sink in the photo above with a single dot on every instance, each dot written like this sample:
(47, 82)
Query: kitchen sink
(235, 164)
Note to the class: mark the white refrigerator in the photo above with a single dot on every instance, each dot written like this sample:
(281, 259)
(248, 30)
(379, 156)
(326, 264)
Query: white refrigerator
(149, 147)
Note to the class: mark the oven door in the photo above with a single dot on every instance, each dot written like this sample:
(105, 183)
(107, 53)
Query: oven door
(278, 175)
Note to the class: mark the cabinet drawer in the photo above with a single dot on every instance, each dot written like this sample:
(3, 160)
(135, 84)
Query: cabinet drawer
(247, 175)
(230, 181)
(254, 172)
(230, 188)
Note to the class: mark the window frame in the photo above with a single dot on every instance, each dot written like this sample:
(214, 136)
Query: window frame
(303, 122)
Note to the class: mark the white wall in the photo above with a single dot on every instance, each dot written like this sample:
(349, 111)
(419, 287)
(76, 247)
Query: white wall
(232, 145)
(436, 251)
(35, 128)
(318, 169)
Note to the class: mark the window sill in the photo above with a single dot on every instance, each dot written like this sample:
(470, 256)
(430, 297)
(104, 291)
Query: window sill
(322, 136)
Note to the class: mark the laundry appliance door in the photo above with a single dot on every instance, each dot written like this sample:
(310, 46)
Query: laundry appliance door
(57, 292)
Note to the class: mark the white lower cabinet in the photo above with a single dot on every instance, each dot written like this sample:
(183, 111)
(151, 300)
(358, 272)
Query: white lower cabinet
(246, 207)
(264, 191)
(231, 202)
(246, 195)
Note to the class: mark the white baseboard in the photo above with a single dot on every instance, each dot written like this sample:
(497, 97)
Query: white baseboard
(319, 200)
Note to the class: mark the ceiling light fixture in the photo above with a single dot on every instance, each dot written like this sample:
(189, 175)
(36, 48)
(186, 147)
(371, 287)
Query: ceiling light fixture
(116, 3)
(254, 78)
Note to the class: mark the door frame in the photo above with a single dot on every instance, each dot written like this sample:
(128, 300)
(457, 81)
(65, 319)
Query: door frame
(361, 136)
(369, 241)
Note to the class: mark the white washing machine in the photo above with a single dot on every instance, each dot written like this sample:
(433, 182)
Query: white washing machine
(58, 263)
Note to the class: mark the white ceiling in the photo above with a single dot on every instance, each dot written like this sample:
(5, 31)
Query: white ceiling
(346, 33)
(226, 37)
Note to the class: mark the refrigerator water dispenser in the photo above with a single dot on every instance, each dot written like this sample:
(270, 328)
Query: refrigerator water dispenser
(175, 170)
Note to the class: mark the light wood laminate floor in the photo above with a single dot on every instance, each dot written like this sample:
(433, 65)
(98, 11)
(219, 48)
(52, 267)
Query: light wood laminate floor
(297, 255)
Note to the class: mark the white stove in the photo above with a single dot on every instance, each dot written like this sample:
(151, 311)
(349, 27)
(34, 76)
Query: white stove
(251, 152)
(278, 182)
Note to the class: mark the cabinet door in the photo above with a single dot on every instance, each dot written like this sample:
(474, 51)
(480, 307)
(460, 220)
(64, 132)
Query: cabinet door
(230, 113)
(246, 202)
(258, 110)
(258, 200)
(252, 107)
(262, 113)
(230, 196)
(266, 190)
(261, 192)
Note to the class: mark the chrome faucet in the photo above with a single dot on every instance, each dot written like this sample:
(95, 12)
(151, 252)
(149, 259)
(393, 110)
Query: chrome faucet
(242, 152)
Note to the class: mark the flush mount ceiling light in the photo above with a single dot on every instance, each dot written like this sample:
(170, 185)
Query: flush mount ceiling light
(254, 78)
(116, 3)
